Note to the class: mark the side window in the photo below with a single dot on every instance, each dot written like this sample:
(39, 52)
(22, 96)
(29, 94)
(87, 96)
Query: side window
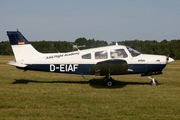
(101, 55)
(118, 53)
(86, 56)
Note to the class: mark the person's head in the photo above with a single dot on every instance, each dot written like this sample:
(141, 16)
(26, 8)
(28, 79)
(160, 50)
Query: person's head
(119, 52)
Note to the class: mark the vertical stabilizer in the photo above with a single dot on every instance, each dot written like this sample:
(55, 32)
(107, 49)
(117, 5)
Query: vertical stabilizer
(22, 49)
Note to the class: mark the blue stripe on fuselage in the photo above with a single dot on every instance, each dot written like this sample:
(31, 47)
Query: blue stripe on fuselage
(146, 68)
(85, 68)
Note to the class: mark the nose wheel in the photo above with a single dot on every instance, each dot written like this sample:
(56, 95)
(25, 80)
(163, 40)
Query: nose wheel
(153, 81)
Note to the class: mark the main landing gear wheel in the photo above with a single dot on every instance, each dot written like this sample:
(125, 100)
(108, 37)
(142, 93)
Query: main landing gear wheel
(153, 81)
(108, 81)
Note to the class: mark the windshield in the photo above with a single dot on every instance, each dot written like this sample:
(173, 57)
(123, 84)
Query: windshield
(133, 52)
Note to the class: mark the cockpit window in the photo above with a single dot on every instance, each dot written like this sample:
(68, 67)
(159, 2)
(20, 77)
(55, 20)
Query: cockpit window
(118, 53)
(86, 56)
(133, 52)
(101, 55)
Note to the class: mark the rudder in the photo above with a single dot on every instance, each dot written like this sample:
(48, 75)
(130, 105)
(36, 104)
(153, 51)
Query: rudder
(16, 38)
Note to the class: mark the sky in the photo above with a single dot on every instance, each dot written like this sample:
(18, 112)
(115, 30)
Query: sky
(109, 20)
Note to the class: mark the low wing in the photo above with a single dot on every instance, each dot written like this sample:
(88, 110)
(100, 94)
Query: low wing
(17, 64)
(112, 67)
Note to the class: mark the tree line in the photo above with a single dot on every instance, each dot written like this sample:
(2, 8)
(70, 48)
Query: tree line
(164, 47)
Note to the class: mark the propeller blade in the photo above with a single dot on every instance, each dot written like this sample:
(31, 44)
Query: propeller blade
(167, 58)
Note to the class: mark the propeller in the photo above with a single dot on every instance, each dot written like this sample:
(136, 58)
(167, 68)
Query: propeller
(167, 58)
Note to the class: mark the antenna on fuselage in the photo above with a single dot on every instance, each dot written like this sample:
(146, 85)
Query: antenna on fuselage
(74, 46)
(77, 47)
(56, 48)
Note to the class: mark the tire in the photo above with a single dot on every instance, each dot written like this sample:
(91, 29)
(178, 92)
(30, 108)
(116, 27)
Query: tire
(154, 84)
(109, 83)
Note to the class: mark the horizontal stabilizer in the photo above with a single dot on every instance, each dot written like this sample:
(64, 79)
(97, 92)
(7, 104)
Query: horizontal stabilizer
(17, 64)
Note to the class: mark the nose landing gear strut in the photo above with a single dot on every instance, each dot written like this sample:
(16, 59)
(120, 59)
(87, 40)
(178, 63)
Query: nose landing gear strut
(153, 81)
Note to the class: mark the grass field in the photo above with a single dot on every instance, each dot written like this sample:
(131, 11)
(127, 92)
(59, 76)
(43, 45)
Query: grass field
(39, 95)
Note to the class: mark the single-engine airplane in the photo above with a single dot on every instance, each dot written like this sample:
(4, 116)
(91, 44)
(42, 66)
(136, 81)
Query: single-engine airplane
(103, 61)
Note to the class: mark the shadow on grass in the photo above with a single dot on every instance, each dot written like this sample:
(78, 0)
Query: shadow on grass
(96, 83)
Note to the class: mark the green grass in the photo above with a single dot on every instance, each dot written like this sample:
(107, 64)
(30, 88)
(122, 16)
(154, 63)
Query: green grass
(39, 95)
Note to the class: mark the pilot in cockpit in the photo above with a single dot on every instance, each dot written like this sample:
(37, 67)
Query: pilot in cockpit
(117, 54)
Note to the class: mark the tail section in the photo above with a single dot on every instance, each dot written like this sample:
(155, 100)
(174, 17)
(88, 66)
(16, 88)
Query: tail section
(16, 38)
(21, 48)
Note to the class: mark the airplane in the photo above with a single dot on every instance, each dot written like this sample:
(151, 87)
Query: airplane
(102, 61)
